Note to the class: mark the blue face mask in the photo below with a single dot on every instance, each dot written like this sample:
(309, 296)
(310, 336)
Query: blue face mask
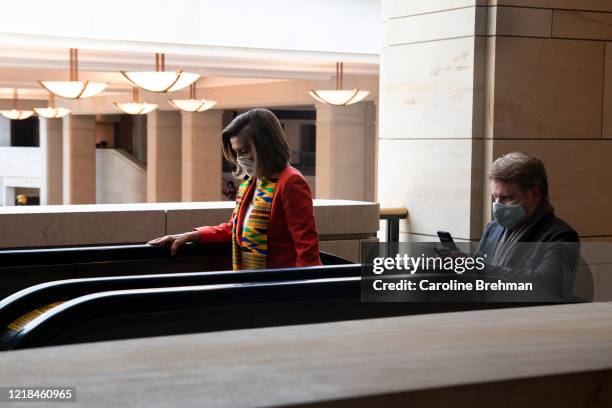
(508, 215)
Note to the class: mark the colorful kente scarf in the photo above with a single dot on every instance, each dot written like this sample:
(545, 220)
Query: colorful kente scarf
(252, 251)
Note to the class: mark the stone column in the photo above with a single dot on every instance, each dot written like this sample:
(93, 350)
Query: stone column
(430, 147)
(345, 157)
(163, 156)
(201, 155)
(5, 131)
(79, 159)
(139, 138)
(51, 149)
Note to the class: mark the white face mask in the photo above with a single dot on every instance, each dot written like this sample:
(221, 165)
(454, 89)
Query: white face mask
(246, 164)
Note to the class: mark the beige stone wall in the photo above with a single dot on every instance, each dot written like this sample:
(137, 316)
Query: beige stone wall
(550, 95)
(465, 81)
(119, 178)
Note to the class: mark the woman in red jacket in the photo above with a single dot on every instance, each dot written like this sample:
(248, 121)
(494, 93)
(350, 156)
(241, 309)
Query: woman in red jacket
(273, 224)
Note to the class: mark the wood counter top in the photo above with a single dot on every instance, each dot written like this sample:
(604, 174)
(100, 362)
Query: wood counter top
(464, 358)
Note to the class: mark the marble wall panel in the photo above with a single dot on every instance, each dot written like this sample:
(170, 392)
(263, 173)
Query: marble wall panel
(427, 90)
(547, 89)
(517, 21)
(582, 25)
(455, 23)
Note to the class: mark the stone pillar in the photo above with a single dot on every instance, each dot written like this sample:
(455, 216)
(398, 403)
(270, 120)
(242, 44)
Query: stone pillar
(345, 158)
(201, 155)
(430, 146)
(139, 138)
(51, 149)
(79, 159)
(5, 131)
(163, 156)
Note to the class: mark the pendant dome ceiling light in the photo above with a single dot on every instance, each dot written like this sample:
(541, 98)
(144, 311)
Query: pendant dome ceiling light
(192, 104)
(16, 113)
(51, 112)
(74, 89)
(338, 96)
(161, 80)
(135, 107)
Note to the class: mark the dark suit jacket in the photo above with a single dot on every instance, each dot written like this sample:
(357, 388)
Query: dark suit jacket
(546, 254)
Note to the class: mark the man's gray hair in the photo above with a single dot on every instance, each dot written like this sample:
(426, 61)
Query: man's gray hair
(517, 167)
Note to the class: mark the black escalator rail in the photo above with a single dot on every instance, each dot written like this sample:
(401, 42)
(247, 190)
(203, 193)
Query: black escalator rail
(29, 299)
(105, 253)
(22, 268)
(44, 329)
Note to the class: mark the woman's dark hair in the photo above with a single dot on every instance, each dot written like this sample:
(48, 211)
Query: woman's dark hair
(264, 136)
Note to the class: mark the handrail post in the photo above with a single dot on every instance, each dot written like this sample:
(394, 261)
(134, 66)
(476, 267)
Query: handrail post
(393, 216)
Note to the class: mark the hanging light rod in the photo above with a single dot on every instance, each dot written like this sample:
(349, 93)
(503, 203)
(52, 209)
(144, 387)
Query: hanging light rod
(51, 112)
(16, 113)
(160, 80)
(135, 107)
(74, 89)
(192, 104)
(339, 96)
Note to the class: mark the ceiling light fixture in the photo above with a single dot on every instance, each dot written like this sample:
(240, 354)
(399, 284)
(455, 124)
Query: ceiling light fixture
(135, 107)
(74, 89)
(161, 80)
(16, 113)
(51, 112)
(339, 96)
(192, 104)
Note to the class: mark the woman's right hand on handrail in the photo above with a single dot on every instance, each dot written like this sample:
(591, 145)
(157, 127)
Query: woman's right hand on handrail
(175, 240)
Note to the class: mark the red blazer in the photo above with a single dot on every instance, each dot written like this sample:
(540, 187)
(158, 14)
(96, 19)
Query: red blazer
(293, 239)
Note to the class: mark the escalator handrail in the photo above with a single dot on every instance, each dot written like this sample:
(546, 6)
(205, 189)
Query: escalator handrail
(10, 258)
(44, 328)
(30, 298)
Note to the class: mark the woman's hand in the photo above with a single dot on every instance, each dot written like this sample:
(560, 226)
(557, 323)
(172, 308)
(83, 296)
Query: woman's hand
(175, 240)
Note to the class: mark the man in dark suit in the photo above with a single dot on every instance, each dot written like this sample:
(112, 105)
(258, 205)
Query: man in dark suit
(526, 241)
